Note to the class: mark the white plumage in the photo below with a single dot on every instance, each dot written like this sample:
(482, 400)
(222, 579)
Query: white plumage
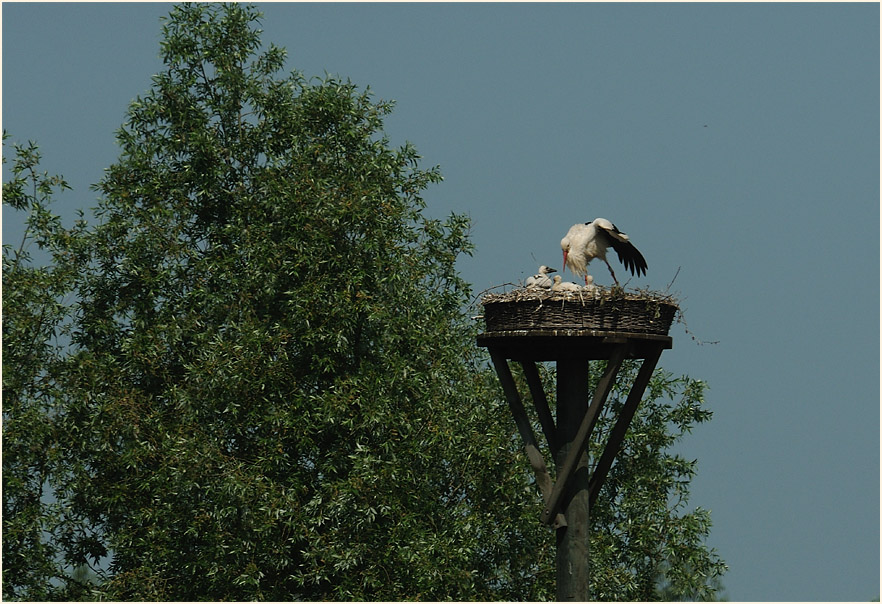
(564, 286)
(589, 283)
(541, 278)
(585, 242)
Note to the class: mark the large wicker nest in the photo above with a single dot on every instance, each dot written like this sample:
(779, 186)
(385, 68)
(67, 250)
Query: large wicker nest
(600, 309)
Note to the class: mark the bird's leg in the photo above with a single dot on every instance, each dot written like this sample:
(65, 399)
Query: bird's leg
(610, 272)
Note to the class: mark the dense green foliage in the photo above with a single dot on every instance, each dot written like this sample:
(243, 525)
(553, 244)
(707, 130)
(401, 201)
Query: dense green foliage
(254, 378)
(33, 315)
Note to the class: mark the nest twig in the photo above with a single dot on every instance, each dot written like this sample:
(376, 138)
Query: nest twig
(596, 293)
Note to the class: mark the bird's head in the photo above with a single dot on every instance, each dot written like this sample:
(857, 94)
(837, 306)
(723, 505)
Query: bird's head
(565, 246)
(546, 269)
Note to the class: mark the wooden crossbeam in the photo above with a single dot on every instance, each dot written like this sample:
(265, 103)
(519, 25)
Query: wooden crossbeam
(604, 386)
(537, 461)
(617, 435)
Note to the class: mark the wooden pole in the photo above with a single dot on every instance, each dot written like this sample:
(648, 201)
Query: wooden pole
(579, 444)
(572, 540)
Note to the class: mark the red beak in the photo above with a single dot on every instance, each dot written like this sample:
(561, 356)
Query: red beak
(565, 261)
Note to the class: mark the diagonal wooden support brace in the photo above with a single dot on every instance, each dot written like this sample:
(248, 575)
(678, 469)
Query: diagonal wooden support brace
(541, 403)
(604, 386)
(523, 423)
(617, 435)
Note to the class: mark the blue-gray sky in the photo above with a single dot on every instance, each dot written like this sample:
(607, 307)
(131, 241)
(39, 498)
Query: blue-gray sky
(738, 143)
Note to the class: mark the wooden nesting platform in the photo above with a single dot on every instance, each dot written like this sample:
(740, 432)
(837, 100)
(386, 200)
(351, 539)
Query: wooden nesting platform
(538, 325)
(574, 328)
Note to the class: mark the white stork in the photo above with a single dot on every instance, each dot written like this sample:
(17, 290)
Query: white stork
(541, 279)
(564, 286)
(585, 242)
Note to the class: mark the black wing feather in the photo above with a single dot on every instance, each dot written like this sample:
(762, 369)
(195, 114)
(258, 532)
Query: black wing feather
(629, 256)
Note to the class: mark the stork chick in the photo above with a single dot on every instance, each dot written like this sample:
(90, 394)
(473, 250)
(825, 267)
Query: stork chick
(589, 283)
(541, 278)
(564, 286)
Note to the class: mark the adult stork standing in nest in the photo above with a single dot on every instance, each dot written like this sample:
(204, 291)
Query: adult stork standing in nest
(585, 242)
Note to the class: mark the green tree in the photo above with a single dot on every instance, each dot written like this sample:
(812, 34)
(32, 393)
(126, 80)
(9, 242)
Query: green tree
(35, 310)
(271, 388)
